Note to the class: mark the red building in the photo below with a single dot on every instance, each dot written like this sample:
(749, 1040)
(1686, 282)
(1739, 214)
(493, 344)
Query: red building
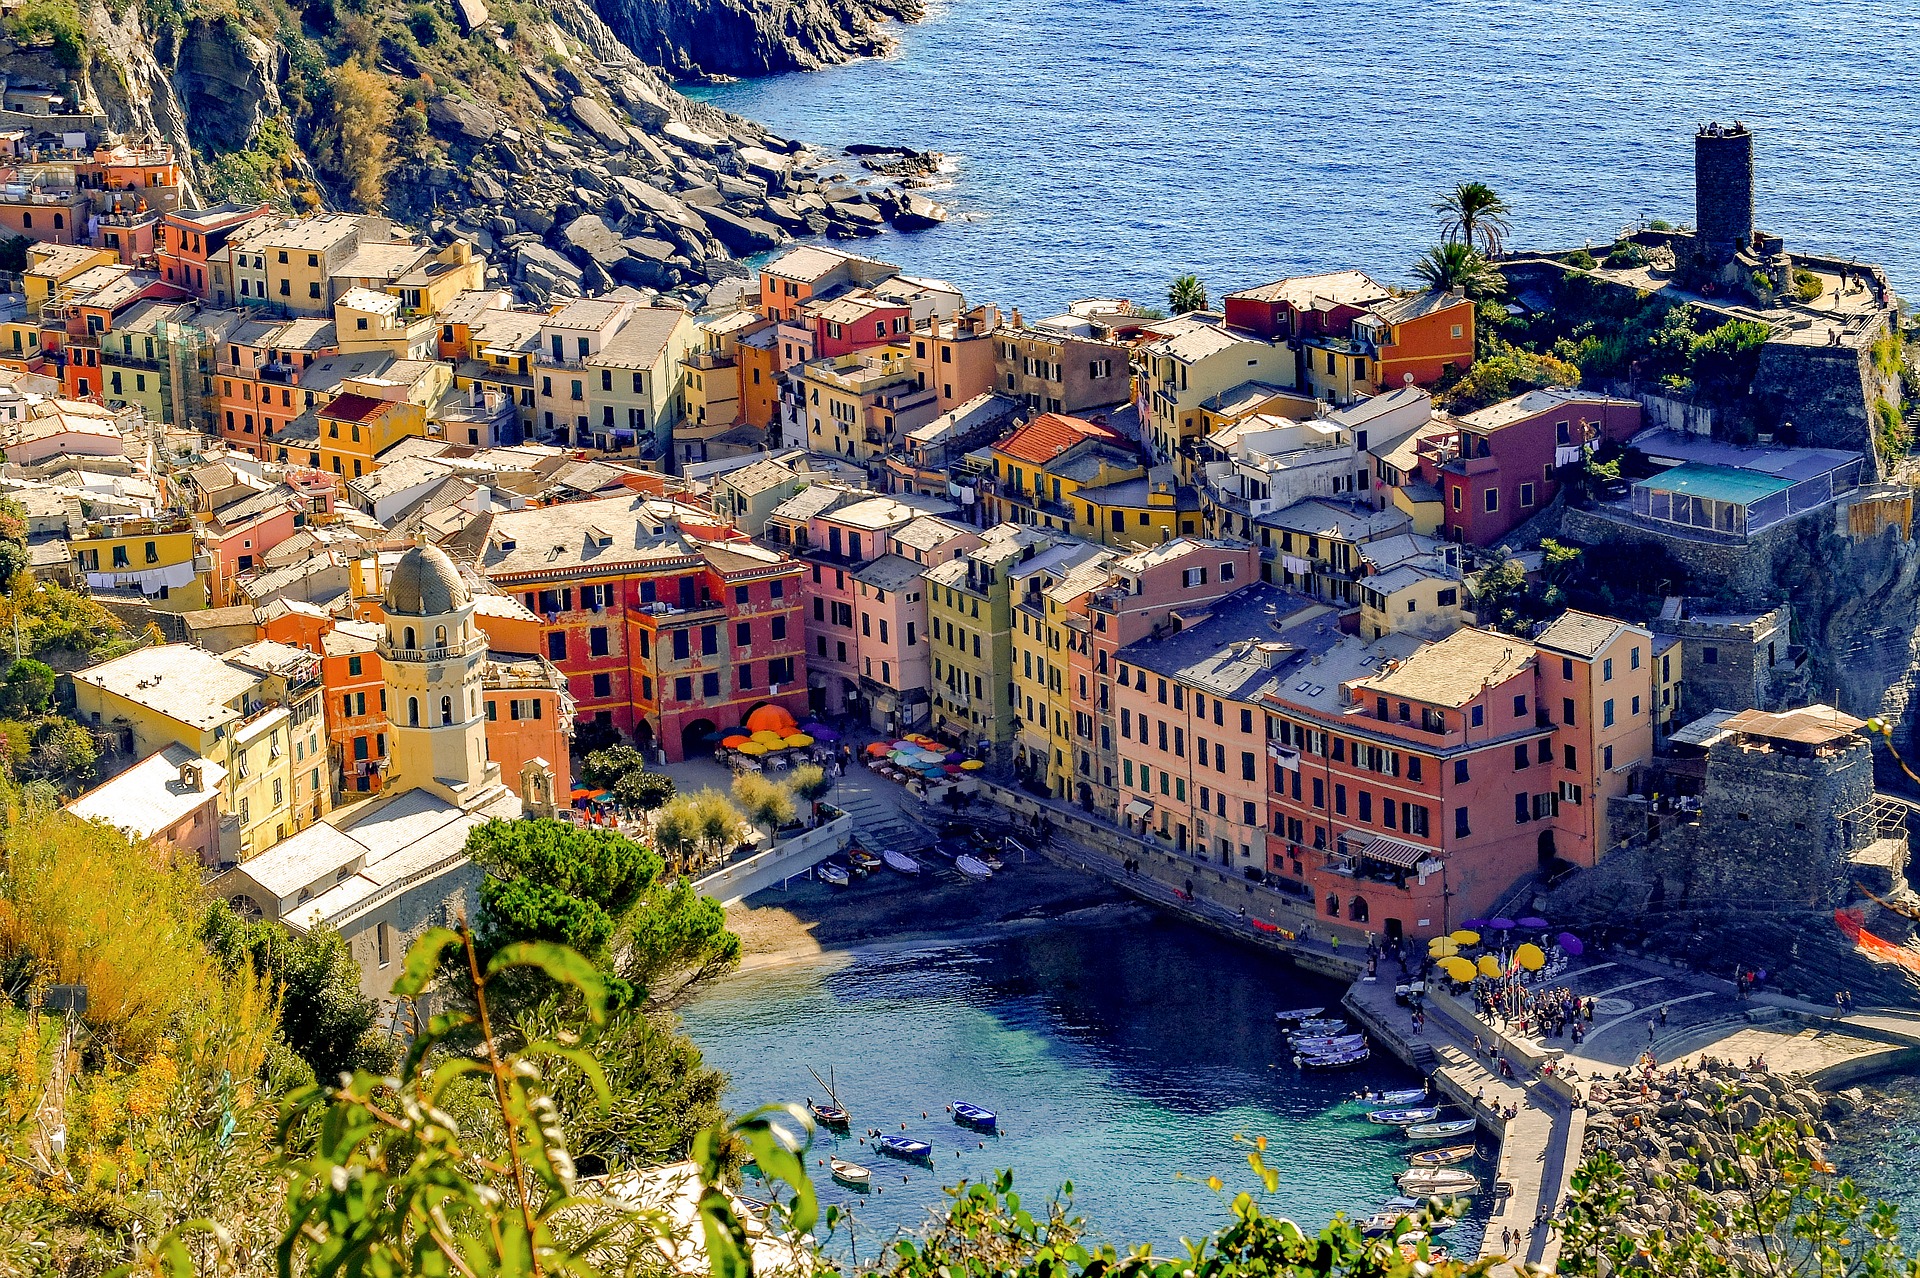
(189, 243)
(1507, 457)
(669, 626)
(854, 323)
(1305, 305)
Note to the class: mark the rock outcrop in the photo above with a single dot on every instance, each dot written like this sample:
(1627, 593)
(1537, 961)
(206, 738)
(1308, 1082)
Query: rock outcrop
(698, 39)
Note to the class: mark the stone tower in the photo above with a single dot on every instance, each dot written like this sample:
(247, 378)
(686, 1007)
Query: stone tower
(433, 656)
(1722, 191)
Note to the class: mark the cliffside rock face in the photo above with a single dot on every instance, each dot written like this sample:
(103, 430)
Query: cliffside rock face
(699, 39)
(131, 86)
(226, 78)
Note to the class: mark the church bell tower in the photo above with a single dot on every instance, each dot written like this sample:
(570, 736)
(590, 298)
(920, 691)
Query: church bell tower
(432, 657)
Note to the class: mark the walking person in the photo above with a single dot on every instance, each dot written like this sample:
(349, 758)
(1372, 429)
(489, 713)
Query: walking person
(1652, 1030)
(1663, 1013)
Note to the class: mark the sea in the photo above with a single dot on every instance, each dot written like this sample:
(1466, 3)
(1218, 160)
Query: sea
(1136, 1062)
(1100, 148)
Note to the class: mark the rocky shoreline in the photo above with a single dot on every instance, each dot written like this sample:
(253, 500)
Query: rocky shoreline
(1694, 1118)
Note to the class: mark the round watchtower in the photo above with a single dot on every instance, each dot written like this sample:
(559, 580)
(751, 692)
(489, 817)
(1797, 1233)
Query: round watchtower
(1722, 191)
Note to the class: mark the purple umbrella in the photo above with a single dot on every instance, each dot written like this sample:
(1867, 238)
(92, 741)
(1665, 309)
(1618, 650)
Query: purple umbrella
(1571, 943)
(1501, 925)
(819, 732)
(1475, 924)
(1532, 922)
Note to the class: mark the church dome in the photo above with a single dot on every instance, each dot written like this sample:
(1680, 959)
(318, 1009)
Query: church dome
(425, 583)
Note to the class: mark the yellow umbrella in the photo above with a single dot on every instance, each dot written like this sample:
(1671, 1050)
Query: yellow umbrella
(779, 743)
(1531, 957)
(972, 765)
(799, 740)
(751, 748)
(1465, 937)
(1489, 965)
(768, 737)
(1442, 947)
(1458, 968)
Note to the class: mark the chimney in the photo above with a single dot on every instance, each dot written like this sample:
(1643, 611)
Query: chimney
(190, 776)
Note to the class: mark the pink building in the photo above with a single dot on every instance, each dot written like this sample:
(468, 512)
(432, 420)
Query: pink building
(890, 603)
(1507, 457)
(1143, 593)
(238, 536)
(170, 797)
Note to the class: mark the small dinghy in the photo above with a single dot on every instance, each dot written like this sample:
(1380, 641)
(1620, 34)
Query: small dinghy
(1322, 1025)
(1440, 1131)
(914, 1151)
(1323, 1045)
(828, 1114)
(1438, 1180)
(983, 1120)
(1442, 1157)
(850, 1173)
(863, 859)
(1298, 1014)
(900, 862)
(834, 874)
(1405, 1096)
(1403, 1117)
(1335, 1060)
(972, 866)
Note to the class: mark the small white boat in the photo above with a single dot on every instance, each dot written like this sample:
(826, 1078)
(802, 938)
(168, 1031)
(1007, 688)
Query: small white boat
(1403, 1096)
(1438, 1180)
(972, 867)
(850, 1173)
(1299, 1014)
(1440, 1131)
(900, 861)
(1403, 1117)
(834, 874)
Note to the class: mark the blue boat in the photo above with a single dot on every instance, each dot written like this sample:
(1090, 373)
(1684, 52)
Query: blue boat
(973, 1116)
(916, 1151)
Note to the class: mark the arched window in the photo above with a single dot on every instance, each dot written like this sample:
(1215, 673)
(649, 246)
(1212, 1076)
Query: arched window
(413, 712)
(1357, 909)
(1333, 906)
(59, 221)
(410, 644)
(439, 636)
(446, 710)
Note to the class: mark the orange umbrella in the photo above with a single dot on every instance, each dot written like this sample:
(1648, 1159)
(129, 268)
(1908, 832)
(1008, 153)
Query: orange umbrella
(772, 719)
(877, 749)
(734, 742)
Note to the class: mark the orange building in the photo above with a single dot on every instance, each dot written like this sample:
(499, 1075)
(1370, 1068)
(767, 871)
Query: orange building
(954, 358)
(191, 246)
(759, 373)
(801, 274)
(257, 366)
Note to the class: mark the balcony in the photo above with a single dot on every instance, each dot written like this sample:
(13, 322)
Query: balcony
(707, 361)
(450, 652)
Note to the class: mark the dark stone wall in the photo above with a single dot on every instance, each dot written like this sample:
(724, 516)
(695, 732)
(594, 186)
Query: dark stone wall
(1722, 192)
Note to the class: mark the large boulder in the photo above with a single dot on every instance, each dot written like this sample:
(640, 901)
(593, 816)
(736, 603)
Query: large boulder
(459, 121)
(545, 271)
(665, 207)
(918, 213)
(600, 122)
(642, 103)
(743, 235)
(589, 239)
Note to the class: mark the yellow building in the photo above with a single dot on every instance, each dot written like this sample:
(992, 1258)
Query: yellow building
(1143, 510)
(255, 711)
(367, 320)
(1253, 399)
(133, 355)
(713, 376)
(1041, 470)
(299, 258)
(355, 429)
(155, 557)
(434, 281)
(1193, 359)
(1047, 591)
(51, 265)
(861, 405)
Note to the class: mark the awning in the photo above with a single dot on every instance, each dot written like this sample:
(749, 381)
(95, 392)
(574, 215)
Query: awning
(1139, 808)
(1394, 852)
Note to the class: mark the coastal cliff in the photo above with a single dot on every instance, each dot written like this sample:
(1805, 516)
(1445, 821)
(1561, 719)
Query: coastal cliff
(535, 132)
(704, 39)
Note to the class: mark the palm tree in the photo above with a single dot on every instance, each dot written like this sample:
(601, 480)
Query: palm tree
(1474, 214)
(1187, 294)
(1456, 267)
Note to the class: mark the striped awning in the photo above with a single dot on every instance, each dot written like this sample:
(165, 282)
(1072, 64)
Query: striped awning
(1394, 852)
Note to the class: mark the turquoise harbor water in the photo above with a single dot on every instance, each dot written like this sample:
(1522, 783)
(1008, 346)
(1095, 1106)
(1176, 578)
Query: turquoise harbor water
(1105, 146)
(1123, 1059)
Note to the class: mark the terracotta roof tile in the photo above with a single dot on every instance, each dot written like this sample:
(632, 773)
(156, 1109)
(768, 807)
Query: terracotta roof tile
(1050, 434)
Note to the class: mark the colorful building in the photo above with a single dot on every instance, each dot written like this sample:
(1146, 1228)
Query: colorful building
(1507, 457)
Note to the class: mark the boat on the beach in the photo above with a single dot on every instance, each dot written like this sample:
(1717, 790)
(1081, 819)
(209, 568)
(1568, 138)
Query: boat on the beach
(1405, 1096)
(1403, 1117)
(914, 1151)
(1438, 1180)
(827, 1114)
(1440, 1131)
(862, 858)
(1442, 1157)
(1334, 1060)
(1299, 1014)
(1325, 1043)
(900, 862)
(834, 874)
(972, 866)
(974, 1116)
(850, 1173)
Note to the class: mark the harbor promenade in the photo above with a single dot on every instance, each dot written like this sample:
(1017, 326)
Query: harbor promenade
(1641, 1006)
